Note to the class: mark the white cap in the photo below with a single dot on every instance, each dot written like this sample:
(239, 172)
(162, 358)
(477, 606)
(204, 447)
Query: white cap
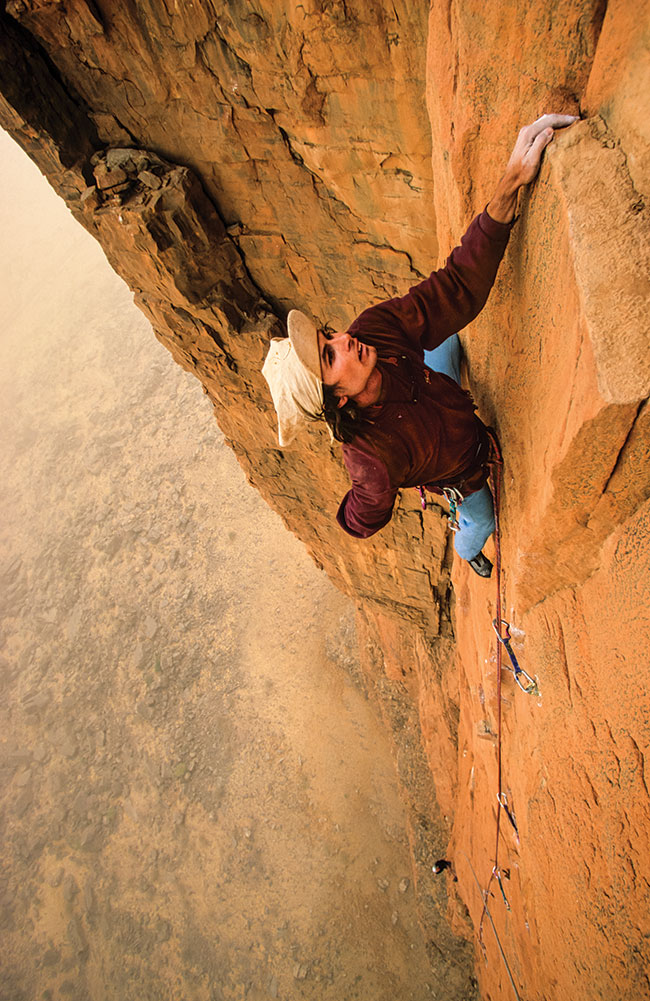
(292, 370)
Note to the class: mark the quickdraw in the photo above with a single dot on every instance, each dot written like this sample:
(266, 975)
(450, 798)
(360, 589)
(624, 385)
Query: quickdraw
(497, 873)
(530, 687)
(502, 800)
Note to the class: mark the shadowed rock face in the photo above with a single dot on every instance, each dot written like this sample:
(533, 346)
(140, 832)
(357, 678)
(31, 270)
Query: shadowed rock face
(236, 162)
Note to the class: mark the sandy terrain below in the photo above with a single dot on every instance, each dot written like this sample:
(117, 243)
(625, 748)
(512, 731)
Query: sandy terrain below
(197, 799)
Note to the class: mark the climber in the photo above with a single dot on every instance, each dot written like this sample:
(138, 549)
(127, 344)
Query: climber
(389, 385)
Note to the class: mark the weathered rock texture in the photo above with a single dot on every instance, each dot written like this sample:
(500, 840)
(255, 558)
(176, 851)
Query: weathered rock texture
(236, 160)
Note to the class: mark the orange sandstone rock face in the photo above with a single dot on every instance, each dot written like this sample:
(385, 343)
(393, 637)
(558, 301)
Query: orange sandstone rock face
(234, 163)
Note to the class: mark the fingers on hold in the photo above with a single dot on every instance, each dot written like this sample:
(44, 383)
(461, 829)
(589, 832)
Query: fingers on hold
(555, 121)
(559, 121)
(544, 126)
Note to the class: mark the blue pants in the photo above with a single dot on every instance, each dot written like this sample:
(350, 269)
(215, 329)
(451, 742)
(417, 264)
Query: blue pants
(476, 513)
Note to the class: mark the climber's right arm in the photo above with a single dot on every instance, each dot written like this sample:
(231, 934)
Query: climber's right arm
(524, 163)
(452, 297)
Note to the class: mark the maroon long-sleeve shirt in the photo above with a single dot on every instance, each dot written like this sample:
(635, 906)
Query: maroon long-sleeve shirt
(423, 427)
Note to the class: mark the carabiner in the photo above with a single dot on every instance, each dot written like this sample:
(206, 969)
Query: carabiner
(454, 498)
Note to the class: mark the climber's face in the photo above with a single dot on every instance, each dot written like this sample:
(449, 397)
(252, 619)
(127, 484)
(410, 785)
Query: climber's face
(348, 366)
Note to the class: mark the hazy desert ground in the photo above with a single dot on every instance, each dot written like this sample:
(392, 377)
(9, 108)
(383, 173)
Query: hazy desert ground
(197, 800)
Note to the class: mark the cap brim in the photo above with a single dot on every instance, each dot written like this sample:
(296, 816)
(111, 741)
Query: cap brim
(304, 338)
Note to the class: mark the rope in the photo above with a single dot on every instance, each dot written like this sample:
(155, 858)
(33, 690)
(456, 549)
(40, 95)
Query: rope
(503, 955)
(495, 463)
(496, 468)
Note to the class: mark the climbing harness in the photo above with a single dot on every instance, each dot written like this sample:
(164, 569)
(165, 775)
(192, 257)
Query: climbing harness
(504, 637)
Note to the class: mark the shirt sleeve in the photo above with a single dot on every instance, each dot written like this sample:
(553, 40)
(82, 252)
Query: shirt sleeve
(453, 296)
(368, 506)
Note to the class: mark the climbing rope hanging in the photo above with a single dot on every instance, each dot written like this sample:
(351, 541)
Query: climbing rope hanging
(525, 683)
(496, 935)
(496, 471)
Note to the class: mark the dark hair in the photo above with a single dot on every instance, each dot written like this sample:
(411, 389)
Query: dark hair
(344, 422)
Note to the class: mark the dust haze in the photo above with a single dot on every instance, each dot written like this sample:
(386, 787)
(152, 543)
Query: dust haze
(197, 798)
